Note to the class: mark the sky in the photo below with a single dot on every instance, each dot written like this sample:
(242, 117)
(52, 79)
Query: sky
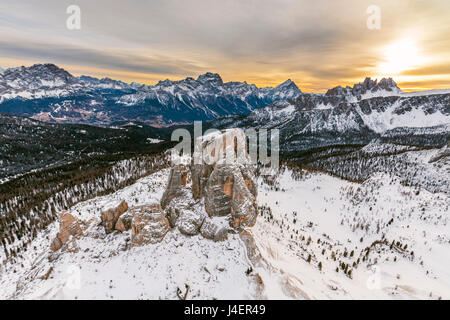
(318, 44)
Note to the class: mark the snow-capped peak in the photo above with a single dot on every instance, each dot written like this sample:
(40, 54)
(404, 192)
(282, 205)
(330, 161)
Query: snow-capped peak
(104, 83)
(37, 76)
(368, 88)
(388, 84)
(210, 77)
(288, 85)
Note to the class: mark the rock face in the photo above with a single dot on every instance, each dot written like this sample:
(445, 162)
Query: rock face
(212, 231)
(232, 190)
(368, 85)
(227, 181)
(184, 213)
(219, 190)
(190, 221)
(253, 253)
(149, 224)
(111, 216)
(68, 226)
(223, 185)
(177, 180)
(244, 209)
(124, 222)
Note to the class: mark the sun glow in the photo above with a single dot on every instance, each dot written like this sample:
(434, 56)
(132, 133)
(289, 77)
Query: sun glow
(399, 56)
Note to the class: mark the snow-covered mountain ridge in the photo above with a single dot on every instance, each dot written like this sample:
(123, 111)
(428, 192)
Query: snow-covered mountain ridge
(313, 120)
(49, 93)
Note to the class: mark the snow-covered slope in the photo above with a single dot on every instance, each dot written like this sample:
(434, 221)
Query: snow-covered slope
(393, 242)
(109, 269)
(317, 237)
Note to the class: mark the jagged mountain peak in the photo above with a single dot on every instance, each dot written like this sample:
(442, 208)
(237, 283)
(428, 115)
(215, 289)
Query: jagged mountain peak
(368, 83)
(367, 87)
(46, 70)
(288, 84)
(103, 83)
(164, 82)
(45, 75)
(210, 77)
(388, 84)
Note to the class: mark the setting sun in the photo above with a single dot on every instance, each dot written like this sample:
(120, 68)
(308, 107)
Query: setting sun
(399, 56)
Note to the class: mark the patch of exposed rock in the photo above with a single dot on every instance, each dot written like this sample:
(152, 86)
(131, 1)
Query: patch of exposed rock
(110, 216)
(213, 231)
(124, 222)
(177, 180)
(68, 226)
(148, 225)
(186, 214)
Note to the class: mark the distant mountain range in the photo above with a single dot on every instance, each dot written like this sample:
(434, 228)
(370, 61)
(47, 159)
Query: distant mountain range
(350, 115)
(353, 115)
(49, 93)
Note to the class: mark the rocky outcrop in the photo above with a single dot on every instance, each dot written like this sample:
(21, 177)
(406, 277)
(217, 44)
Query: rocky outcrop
(244, 210)
(200, 175)
(177, 180)
(149, 224)
(252, 250)
(124, 222)
(184, 213)
(227, 182)
(223, 185)
(231, 190)
(213, 231)
(68, 226)
(219, 190)
(190, 221)
(110, 216)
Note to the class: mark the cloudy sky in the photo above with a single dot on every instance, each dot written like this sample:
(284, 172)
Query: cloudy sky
(318, 44)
